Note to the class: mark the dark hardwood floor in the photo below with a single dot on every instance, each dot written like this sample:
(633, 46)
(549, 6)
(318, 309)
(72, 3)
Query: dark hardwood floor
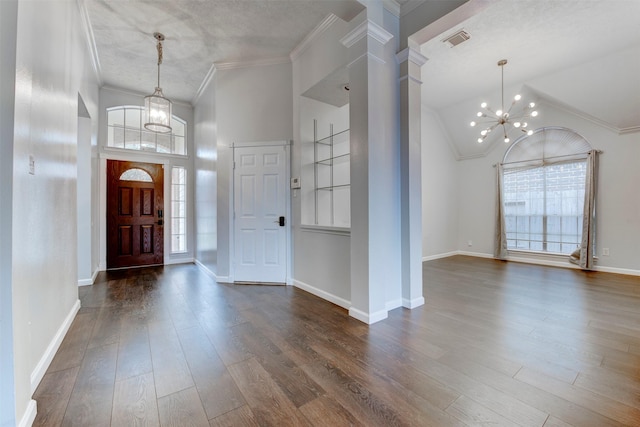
(495, 344)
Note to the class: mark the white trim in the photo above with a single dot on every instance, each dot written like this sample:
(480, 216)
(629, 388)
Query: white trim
(413, 55)
(366, 55)
(341, 302)
(392, 305)
(255, 63)
(206, 269)
(538, 261)
(630, 129)
(140, 94)
(413, 303)
(91, 281)
(54, 345)
(277, 143)
(176, 261)
(313, 36)
(369, 319)
(438, 256)
(413, 79)
(326, 229)
(393, 7)
(205, 82)
(616, 270)
(366, 28)
(91, 41)
(29, 415)
(475, 254)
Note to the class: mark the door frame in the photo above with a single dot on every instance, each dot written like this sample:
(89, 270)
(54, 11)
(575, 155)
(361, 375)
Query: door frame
(287, 191)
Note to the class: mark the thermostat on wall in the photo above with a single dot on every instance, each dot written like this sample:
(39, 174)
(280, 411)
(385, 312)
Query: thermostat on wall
(295, 182)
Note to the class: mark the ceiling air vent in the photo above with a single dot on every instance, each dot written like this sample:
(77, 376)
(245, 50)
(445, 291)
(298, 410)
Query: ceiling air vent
(457, 38)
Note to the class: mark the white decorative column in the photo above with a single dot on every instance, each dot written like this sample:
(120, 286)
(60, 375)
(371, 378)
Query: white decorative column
(375, 223)
(410, 61)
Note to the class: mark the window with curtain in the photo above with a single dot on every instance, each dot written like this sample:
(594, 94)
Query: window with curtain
(125, 130)
(544, 189)
(543, 207)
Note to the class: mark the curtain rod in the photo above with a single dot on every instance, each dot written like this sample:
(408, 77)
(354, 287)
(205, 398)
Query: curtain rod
(548, 158)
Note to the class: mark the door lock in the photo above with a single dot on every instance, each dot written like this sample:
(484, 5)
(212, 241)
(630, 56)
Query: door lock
(280, 221)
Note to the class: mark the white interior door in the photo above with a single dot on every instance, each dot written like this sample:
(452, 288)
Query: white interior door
(260, 236)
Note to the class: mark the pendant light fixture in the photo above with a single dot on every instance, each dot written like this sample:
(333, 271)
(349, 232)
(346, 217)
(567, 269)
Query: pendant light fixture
(504, 118)
(157, 108)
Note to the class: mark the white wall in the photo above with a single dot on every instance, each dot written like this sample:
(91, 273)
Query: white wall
(8, 35)
(252, 104)
(321, 260)
(439, 190)
(51, 72)
(206, 177)
(618, 204)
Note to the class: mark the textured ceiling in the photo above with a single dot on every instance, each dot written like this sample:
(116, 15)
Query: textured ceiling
(198, 34)
(580, 54)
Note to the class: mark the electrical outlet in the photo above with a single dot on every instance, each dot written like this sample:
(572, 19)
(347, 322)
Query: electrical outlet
(32, 165)
(605, 251)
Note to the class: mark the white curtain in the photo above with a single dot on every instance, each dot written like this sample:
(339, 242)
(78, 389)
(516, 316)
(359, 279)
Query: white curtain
(500, 245)
(585, 260)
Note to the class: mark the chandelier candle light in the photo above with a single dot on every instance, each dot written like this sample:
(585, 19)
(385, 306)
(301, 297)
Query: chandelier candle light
(157, 108)
(504, 118)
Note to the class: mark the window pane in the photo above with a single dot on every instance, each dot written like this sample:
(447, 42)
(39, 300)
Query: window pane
(115, 117)
(543, 207)
(137, 138)
(178, 209)
(132, 118)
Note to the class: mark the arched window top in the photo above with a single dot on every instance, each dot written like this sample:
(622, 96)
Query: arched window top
(136, 174)
(546, 145)
(125, 130)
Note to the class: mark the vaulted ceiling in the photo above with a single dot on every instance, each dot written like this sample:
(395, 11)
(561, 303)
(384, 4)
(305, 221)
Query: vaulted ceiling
(581, 55)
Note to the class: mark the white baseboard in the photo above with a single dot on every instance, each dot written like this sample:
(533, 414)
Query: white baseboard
(413, 303)
(392, 305)
(368, 318)
(205, 269)
(475, 254)
(90, 281)
(438, 256)
(539, 261)
(322, 294)
(616, 270)
(54, 345)
(179, 261)
(29, 415)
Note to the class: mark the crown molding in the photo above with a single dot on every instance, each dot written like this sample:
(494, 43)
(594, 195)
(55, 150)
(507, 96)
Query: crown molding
(313, 36)
(255, 63)
(392, 6)
(90, 40)
(630, 129)
(366, 29)
(132, 92)
(205, 82)
(412, 55)
(552, 102)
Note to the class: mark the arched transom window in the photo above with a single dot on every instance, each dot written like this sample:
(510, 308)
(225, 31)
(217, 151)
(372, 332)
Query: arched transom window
(544, 191)
(125, 130)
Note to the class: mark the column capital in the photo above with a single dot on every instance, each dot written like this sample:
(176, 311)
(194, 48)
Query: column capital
(366, 29)
(413, 55)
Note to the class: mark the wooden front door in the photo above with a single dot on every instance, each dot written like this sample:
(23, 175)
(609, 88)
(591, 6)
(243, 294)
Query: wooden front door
(135, 231)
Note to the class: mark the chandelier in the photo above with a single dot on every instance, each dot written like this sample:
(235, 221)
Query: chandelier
(157, 108)
(502, 117)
